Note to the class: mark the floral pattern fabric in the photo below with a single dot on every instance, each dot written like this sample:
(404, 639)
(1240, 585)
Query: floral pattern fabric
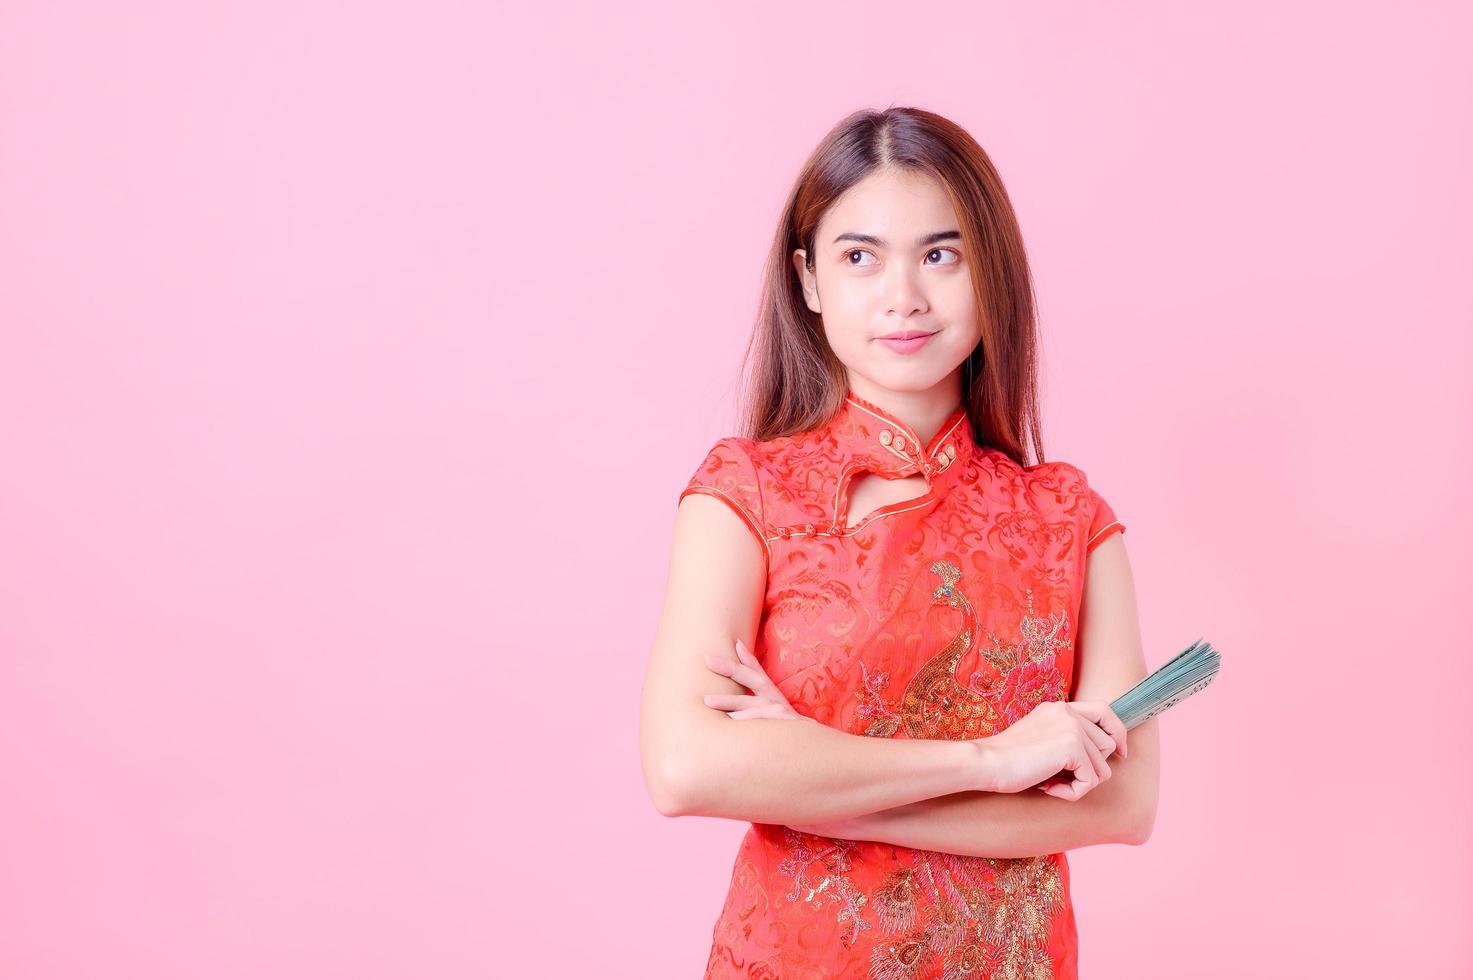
(949, 615)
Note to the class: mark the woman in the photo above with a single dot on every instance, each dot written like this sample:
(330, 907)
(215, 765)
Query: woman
(881, 625)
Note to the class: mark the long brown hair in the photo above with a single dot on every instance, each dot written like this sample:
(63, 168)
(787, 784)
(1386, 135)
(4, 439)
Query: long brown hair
(795, 381)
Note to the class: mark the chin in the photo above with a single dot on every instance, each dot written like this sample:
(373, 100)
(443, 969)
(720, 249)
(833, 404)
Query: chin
(912, 378)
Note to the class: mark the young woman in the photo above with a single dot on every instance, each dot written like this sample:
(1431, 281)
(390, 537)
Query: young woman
(888, 641)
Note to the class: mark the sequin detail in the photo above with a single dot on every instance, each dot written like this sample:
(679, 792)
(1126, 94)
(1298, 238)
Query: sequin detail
(966, 916)
(949, 915)
(934, 704)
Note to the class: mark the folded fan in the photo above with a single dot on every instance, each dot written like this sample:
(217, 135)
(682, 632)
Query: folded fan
(1176, 680)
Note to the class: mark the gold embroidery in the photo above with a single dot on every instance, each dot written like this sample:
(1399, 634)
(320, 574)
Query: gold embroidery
(935, 704)
(975, 916)
(1027, 891)
(969, 913)
(831, 855)
(873, 703)
(895, 901)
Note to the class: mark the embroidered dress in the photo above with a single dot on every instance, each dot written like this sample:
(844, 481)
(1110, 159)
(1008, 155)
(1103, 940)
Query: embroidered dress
(949, 615)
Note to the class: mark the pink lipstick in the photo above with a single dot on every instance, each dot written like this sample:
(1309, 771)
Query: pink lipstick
(906, 341)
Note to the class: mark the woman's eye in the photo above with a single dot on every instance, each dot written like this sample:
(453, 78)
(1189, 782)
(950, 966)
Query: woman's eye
(853, 252)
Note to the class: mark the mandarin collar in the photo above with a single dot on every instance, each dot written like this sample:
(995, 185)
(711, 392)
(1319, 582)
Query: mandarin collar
(871, 438)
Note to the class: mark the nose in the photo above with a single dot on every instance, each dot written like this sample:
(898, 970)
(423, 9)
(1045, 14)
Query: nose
(903, 295)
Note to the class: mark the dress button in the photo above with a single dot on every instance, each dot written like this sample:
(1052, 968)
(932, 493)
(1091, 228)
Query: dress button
(899, 442)
(785, 532)
(885, 436)
(808, 528)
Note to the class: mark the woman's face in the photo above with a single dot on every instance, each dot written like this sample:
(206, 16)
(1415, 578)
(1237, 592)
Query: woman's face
(888, 260)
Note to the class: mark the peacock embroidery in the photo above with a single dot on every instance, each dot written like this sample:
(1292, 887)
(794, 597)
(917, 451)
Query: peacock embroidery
(969, 915)
(934, 704)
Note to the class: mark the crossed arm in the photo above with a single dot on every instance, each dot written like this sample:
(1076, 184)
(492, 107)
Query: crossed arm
(910, 792)
(1121, 810)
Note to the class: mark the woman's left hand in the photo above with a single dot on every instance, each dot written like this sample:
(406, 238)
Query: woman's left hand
(765, 701)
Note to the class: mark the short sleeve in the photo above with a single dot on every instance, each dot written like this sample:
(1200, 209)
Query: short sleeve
(729, 474)
(1103, 521)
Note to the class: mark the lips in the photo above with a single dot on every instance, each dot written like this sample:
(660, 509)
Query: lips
(906, 341)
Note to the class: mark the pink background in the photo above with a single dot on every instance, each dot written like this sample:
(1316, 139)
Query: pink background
(354, 356)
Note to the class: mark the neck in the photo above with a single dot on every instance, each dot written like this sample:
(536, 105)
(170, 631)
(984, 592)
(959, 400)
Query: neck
(924, 411)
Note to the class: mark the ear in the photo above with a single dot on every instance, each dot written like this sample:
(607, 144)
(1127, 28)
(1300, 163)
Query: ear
(808, 280)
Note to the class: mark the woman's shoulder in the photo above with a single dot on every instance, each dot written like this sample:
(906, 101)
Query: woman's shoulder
(1054, 469)
(772, 478)
(773, 457)
(1052, 488)
(746, 468)
(1069, 488)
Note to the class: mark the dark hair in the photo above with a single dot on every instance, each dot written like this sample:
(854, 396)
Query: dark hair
(796, 382)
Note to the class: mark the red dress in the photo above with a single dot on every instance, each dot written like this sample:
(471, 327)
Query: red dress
(950, 615)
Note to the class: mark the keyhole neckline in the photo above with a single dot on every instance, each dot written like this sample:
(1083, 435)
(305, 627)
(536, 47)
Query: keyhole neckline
(871, 441)
(846, 483)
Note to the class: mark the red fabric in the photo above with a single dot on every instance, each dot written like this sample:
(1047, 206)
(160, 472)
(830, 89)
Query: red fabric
(1103, 524)
(950, 615)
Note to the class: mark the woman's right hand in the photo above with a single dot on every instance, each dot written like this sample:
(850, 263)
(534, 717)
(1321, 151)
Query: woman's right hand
(1055, 736)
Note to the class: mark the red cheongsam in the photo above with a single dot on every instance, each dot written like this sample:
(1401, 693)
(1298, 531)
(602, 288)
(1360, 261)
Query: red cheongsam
(949, 615)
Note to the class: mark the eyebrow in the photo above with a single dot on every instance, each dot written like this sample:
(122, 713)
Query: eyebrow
(922, 242)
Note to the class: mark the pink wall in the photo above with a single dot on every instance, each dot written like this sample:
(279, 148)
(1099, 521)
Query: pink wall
(354, 356)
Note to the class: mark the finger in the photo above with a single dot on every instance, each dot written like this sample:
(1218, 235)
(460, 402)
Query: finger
(751, 675)
(1067, 791)
(1109, 722)
(744, 654)
(740, 673)
(1096, 757)
(1102, 739)
(1087, 775)
(1112, 724)
(759, 682)
(763, 710)
(731, 702)
(1082, 769)
(1085, 771)
(755, 707)
(1075, 791)
(1103, 715)
(764, 683)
